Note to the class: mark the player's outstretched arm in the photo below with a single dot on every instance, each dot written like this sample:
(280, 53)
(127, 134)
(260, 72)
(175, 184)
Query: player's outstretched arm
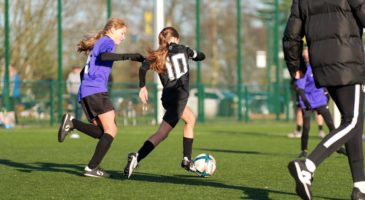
(143, 72)
(196, 55)
(107, 56)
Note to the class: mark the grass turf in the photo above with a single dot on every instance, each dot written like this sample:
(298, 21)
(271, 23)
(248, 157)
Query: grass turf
(251, 164)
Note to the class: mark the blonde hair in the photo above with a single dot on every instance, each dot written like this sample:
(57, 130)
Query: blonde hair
(157, 57)
(86, 44)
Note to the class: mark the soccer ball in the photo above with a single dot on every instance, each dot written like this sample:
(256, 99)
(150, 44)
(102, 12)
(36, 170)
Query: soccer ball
(205, 165)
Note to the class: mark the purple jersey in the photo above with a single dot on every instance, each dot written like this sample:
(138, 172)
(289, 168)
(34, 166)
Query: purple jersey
(95, 74)
(315, 96)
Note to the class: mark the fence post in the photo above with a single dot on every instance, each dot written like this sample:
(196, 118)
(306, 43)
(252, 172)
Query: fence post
(51, 102)
(6, 89)
(201, 100)
(287, 100)
(247, 117)
(59, 73)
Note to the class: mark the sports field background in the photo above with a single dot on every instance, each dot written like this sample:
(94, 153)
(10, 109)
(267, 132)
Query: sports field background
(251, 164)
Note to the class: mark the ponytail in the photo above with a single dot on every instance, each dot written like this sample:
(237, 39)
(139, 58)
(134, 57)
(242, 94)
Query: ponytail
(157, 58)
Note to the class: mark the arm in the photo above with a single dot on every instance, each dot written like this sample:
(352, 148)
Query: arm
(142, 73)
(304, 98)
(195, 55)
(299, 88)
(358, 8)
(292, 40)
(107, 56)
(143, 93)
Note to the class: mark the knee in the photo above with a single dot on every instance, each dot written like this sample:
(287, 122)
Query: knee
(112, 130)
(190, 121)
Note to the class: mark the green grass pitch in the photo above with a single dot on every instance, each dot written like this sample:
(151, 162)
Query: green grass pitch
(251, 164)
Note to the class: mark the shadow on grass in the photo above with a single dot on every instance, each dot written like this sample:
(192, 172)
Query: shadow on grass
(75, 169)
(229, 151)
(289, 155)
(248, 192)
(41, 166)
(259, 134)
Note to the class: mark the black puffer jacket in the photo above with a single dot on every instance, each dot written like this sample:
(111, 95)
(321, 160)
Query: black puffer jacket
(333, 29)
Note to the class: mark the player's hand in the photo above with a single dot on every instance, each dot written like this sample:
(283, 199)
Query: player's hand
(298, 74)
(143, 95)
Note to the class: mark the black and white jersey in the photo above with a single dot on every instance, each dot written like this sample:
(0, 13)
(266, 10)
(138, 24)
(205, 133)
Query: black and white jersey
(175, 80)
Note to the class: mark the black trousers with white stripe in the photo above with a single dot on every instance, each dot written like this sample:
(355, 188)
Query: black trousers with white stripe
(350, 101)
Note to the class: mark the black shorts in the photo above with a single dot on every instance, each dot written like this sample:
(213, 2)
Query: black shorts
(174, 110)
(96, 104)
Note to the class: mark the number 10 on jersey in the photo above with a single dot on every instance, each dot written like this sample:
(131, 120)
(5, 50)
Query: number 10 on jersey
(176, 66)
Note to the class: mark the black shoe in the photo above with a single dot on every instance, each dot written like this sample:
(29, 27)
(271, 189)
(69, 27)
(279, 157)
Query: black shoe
(66, 127)
(303, 178)
(357, 195)
(188, 165)
(97, 172)
(131, 164)
(342, 150)
(303, 154)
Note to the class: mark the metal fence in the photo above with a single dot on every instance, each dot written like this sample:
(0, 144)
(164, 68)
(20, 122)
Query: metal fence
(38, 100)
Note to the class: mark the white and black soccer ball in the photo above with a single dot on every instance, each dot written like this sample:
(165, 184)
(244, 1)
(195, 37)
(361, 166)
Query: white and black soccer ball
(205, 165)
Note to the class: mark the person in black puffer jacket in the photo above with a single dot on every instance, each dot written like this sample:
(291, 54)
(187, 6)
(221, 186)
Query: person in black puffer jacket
(333, 30)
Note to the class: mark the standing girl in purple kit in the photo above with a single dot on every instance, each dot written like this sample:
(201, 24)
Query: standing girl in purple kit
(311, 99)
(93, 92)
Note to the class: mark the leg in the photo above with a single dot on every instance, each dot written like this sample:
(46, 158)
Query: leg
(329, 122)
(349, 100)
(299, 124)
(319, 119)
(324, 114)
(306, 127)
(110, 130)
(161, 134)
(94, 129)
(134, 158)
(189, 119)
(299, 117)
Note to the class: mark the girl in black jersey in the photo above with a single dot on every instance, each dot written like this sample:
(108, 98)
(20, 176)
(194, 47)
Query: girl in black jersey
(170, 61)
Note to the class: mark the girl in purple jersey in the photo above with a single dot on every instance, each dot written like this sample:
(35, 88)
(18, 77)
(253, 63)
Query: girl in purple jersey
(170, 61)
(93, 92)
(311, 99)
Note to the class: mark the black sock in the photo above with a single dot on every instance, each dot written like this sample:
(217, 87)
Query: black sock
(187, 147)
(88, 129)
(299, 128)
(320, 127)
(145, 150)
(101, 149)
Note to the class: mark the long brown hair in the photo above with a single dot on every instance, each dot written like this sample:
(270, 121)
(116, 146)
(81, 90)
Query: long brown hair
(157, 57)
(86, 44)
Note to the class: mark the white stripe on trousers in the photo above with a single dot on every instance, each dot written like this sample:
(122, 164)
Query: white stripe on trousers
(353, 123)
